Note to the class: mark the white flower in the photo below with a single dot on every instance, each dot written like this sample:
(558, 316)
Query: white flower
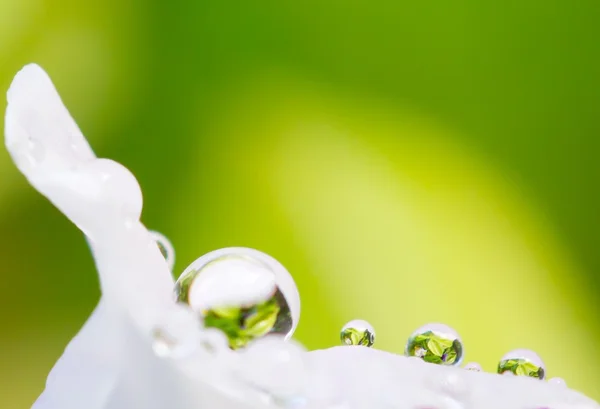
(111, 363)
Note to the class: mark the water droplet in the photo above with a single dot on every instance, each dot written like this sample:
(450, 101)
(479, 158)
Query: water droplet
(557, 382)
(522, 362)
(450, 385)
(473, 366)
(243, 292)
(165, 247)
(37, 151)
(214, 341)
(435, 343)
(275, 366)
(163, 344)
(358, 332)
(294, 402)
(178, 335)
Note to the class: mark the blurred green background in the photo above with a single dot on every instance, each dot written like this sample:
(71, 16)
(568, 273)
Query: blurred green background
(408, 162)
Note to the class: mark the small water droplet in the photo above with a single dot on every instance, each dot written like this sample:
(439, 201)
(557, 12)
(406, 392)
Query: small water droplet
(473, 366)
(557, 382)
(238, 291)
(163, 344)
(293, 402)
(214, 341)
(165, 247)
(177, 335)
(275, 366)
(358, 332)
(37, 151)
(522, 362)
(436, 343)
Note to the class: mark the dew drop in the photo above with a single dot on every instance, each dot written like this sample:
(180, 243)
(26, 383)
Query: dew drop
(557, 382)
(165, 247)
(435, 343)
(473, 366)
(243, 292)
(214, 341)
(275, 366)
(177, 335)
(358, 332)
(522, 362)
(163, 344)
(37, 151)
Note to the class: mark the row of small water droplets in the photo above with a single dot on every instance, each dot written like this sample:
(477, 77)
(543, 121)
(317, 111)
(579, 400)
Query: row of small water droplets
(440, 344)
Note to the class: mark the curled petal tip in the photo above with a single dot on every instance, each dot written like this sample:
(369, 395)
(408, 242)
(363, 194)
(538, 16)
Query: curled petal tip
(39, 131)
(30, 76)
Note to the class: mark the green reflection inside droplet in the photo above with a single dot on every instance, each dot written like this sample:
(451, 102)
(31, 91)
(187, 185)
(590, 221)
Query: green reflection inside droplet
(354, 336)
(435, 348)
(242, 325)
(163, 250)
(521, 367)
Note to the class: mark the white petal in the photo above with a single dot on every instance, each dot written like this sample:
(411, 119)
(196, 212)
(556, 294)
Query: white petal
(365, 377)
(104, 200)
(37, 119)
(99, 195)
(86, 375)
(110, 363)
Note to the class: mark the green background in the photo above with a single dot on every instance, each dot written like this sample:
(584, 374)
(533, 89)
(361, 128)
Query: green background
(408, 162)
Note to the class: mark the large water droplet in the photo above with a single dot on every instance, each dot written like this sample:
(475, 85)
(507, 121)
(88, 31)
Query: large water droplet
(358, 332)
(243, 292)
(522, 362)
(436, 343)
(165, 247)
